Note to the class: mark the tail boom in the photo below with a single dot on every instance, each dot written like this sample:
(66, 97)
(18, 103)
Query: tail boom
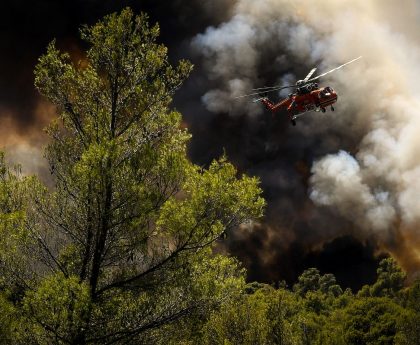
(274, 107)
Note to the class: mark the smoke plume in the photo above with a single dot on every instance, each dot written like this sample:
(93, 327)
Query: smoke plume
(341, 187)
(359, 166)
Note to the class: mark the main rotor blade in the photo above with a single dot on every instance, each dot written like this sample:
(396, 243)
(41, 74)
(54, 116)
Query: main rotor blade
(309, 75)
(259, 93)
(334, 69)
(275, 87)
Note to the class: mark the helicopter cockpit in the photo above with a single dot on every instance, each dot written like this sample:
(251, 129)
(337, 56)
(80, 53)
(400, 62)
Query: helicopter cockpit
(326, 92)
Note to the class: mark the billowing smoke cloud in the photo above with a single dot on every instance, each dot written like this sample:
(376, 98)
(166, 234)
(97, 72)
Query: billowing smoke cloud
(364, 159)
(337, 184)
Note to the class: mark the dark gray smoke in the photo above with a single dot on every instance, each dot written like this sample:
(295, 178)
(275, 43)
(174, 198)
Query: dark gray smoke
(358, 166)
(352, 175)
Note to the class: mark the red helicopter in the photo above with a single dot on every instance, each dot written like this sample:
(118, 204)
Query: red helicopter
(307, 96)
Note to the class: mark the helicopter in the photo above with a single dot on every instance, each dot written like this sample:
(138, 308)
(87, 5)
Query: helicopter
(308, 96)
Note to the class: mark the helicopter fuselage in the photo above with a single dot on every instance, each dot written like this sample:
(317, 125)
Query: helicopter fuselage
(303, 101)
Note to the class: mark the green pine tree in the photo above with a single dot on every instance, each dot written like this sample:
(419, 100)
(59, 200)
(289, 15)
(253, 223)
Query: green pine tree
(121, 246)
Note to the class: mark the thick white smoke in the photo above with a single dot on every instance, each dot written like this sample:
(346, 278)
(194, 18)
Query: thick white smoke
(338, 183)
(377, 186)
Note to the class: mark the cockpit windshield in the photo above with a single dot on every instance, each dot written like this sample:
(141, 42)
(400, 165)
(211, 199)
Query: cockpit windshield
(327, 91)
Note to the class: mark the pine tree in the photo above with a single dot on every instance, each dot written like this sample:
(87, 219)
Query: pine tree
(121, 246)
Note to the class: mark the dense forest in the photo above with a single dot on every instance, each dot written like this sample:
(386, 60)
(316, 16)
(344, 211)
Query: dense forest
(120, 249)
